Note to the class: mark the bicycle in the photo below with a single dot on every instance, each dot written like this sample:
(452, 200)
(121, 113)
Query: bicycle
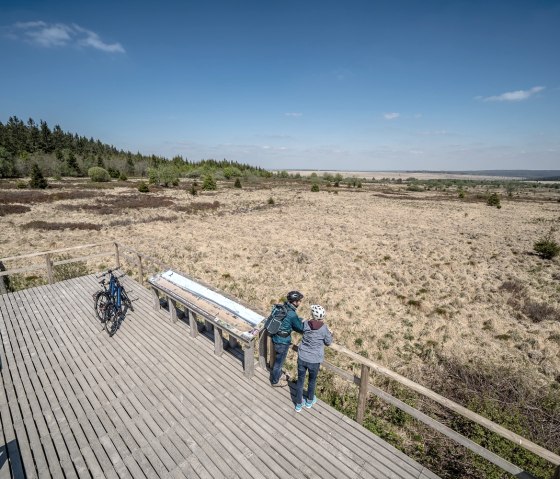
(113, 298)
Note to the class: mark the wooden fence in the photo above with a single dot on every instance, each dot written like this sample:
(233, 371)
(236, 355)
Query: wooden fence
(266, 357)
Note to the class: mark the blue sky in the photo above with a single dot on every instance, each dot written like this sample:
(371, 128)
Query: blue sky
(361, 85)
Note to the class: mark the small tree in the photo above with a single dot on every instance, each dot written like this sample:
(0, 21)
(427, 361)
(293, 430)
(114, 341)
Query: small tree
(314, 187)
(98, 174)
(237, 183)
(37, 181)
(193, 190)
(123, 177)
(546, 247)
(494, 200)
(209, 183)
(143, 187)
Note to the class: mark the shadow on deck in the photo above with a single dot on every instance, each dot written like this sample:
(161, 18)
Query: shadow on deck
(153, 402)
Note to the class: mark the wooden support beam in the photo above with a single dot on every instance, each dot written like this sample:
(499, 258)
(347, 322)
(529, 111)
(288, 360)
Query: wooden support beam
(172, 309)
(155, 297)
(117, 257)
(218, 341)
(249, 360)
(140, 269)
(193, 323)
(362, 396)
(50, 274)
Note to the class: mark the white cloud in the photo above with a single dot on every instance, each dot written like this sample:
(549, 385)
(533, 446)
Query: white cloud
(391, 115)
(294, 114)
(60, 35)
(518, 95)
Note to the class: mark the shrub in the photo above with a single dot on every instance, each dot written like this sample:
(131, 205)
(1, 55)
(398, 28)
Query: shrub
(237, 183)
(114, 173)
(314, 187)
(193, 190)
(546, 247)
(123, 177)
(461, 194)
(143, 187)
(21, 185)
(37, 181)
(493, 200)
(98, 174)
(270, 201)
(209, 183)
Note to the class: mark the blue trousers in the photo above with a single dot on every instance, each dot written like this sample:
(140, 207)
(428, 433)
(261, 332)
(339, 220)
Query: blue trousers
(302, 368)
(281, 353)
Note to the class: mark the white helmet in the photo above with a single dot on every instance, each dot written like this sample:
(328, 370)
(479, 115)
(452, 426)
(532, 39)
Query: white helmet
(318, 312)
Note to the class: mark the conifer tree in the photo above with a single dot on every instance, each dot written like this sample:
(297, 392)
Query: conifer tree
(37, 181)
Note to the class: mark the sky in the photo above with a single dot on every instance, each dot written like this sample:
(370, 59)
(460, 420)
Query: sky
(353, 85)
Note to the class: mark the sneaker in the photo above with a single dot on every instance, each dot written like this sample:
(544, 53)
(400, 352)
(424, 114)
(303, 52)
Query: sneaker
(299, 407)
(309, 404)
(280, 384)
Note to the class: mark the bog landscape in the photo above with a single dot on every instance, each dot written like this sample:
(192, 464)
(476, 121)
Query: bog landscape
(439, 277)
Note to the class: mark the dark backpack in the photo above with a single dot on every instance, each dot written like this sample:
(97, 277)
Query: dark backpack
(274, 321)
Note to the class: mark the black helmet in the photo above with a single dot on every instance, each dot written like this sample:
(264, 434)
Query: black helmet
(293, 296)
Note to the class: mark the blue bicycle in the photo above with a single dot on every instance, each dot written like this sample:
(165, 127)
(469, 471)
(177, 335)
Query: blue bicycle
(112, 302)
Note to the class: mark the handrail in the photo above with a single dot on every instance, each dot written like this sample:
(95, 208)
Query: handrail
(362, 381)
(463, 411)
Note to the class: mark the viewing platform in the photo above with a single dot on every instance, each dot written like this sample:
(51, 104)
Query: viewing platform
(156, 401)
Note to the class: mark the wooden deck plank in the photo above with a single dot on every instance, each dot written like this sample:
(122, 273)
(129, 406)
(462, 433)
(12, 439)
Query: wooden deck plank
(156, 400)
(356, 470)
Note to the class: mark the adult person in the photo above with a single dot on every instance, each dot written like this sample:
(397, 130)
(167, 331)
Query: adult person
(311, 353)
(283, 338)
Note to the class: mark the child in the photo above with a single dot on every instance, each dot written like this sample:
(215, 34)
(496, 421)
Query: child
(311, 354)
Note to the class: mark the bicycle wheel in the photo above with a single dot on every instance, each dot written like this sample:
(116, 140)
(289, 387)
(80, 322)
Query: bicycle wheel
(111, 316)
(102, 299)
(126, 302)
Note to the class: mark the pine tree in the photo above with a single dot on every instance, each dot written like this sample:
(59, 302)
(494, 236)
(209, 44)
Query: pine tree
(37, 181)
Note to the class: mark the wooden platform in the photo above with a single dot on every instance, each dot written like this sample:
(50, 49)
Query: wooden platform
(153, 402)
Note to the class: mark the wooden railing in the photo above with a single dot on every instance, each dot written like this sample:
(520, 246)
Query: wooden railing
(266, 358)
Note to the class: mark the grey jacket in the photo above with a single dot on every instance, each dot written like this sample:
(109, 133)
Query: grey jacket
(316, 336)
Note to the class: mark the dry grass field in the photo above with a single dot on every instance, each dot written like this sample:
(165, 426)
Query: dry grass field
(404, 275)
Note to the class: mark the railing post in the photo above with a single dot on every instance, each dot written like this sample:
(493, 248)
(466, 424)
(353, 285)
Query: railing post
(117, 257)
(218, 341)
(249, 359)
(172, 309)
(193, 323)
(140, 270)
(362, 396)
(50, 275)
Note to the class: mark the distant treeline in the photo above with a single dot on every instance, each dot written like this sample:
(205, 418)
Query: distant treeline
(60, 153)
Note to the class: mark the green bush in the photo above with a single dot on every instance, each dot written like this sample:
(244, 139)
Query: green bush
(493, 200)
(21, 185)
(123, 177)
(143, 187)
(113, 173)
(37, 181)
(237, 183)
(547, 247)
(315, 187)
(98, 174)
(270, 201)
(193, 190)
(209, 183)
